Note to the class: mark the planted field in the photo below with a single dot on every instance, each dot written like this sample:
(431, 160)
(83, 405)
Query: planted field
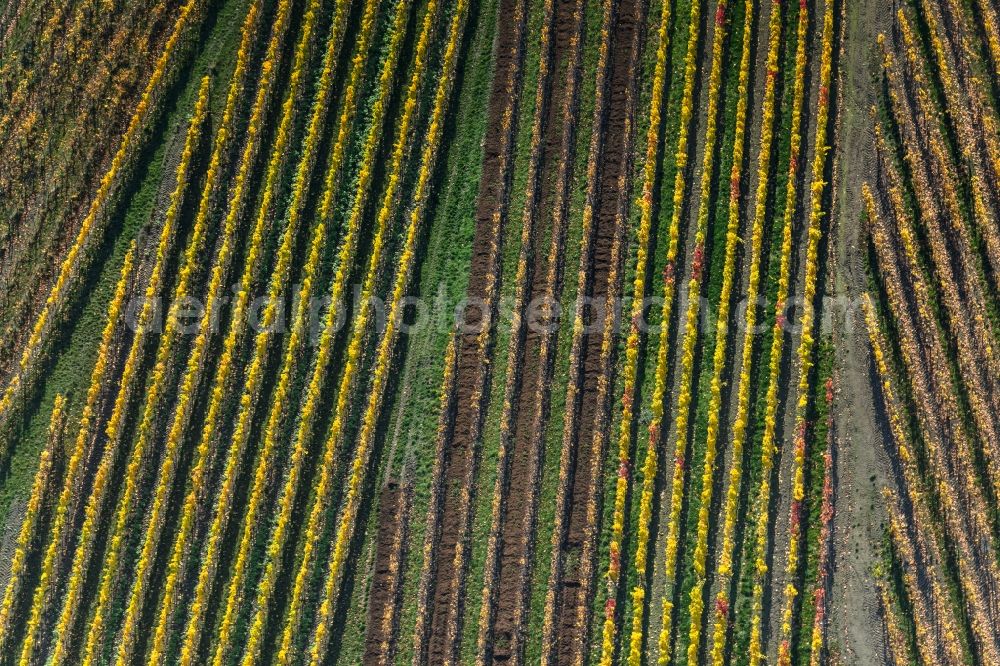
(499, 332)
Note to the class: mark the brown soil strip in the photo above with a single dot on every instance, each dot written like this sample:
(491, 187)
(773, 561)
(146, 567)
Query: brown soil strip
(390, 550)
(574, 579)
(531, 357)
(472, 378)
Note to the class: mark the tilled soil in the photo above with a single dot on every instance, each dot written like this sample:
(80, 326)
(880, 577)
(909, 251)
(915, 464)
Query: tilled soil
(573, 591)
(384, 594)
(472, 379)
(533, 391)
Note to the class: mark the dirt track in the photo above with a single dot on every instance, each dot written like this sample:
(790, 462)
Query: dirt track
(859, 469)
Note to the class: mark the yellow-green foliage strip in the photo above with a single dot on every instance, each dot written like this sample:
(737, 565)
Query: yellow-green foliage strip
(327, 461)
(807, 321)
(92, 222)
(253, 378)
(199, 349)
(407, 260)
(191, 261)
(129, 497)
(725, 566)
(73, 475)
(114, 430)
(29, 524)
(762, 501)
(681, 157)
(265, 462)
(630, 365)
(307, 416)
(691, 334)
(279, 533)
(696, 605)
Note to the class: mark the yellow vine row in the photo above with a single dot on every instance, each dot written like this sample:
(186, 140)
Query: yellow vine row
(817, 641)
(967, 127)
(911, 475)
(32, 512)
(72, 477)
(129, 497)
(814, 233)
(78, 143)
(232, 604)
(690, 340)
(957, 103)
(320, 504)
(991, 26)
(681, 157)
(92, 223)
(968, 111)
(115, 428)
(253, 377)
(912, 480)
(950, 488)
(965, 335)
(151, 535)
(407, 260)
(632, 347)
(194, 367)
(25, 79)
(910, 564)
(307, 417)
(730, 511)
(696, 603)
(768, 446)
(947, 174)
(917, 285)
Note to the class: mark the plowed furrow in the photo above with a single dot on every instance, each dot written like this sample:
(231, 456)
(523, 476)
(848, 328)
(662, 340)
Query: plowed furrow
(472, 377)
(575, 586)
